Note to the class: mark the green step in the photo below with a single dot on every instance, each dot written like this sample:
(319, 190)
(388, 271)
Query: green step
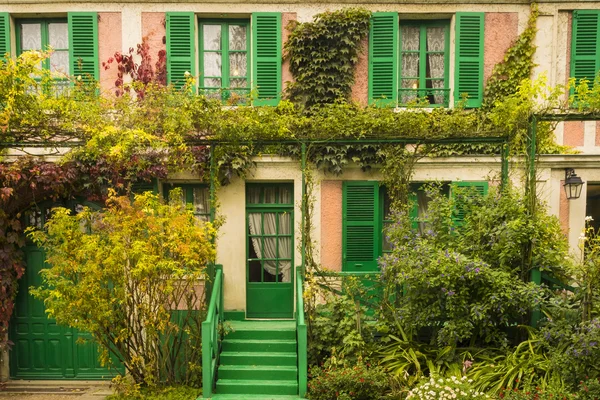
(250, 372)
(254, 345)
(254, 358)
(239, 386)
(261, 330)
(252, 397)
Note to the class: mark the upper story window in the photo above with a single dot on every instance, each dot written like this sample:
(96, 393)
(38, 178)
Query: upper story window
(224, 60)
(424, 62)
(195, 196)
(410, 60)
(74, 41)
(236, 57)
(42, 35)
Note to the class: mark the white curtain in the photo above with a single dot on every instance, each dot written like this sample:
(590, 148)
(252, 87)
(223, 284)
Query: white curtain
(266, 224)
(436, 41)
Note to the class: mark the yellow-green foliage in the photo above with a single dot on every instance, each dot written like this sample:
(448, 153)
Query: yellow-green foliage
(119, 274)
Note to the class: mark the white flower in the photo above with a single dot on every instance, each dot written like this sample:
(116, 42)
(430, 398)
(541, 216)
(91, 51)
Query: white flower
(589, 218)
(186, 73)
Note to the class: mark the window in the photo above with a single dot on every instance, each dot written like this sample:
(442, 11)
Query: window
(366, 213)
(424, 62)
(224, 69)
(43, 35)
(196, 197)
(410, 60)
(236, 57)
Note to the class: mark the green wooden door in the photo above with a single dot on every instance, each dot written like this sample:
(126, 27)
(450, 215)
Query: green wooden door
(42, 349)
(269, 250)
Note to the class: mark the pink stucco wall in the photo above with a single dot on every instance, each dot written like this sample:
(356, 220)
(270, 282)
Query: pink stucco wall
(286, 75)
(154, 33)
(109, 30)
(573, 133)
(501, 30)
(331, 225)
(360, 90)
(597, 139)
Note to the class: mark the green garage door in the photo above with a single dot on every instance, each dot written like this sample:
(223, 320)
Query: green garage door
(42, 349)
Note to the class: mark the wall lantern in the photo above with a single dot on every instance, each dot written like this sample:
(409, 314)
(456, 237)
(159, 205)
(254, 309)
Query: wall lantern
(573, 184)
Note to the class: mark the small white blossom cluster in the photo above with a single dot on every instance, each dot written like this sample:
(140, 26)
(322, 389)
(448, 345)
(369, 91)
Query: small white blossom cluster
(449, 389)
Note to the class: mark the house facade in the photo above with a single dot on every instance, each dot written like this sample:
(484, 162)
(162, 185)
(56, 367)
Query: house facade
(415, 49)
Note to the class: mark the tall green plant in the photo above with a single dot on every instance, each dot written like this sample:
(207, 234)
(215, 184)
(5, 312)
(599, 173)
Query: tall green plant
(122, 274)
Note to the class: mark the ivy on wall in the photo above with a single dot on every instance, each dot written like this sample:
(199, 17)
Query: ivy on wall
(323, 55)
(516, 66)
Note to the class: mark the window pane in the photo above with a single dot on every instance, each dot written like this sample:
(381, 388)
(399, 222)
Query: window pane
(238, 64)
(410, 37)
(410, 65)
(253, 195)
(59, 62)
(237, 37)
(270, 195)
(238, 83)
(212, 82)
(406, 96)
(436, 38)
(435, 66)
(212, 37)
(201, 200)
(31, 37)
(58, 35)
(212, 64)
(285, 195)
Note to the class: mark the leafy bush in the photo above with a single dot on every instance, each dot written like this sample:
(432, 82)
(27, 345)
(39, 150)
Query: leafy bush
(535, 394)
(446, 388)
(589, 389)
(122, 273)
(342, 380)
(166, 393)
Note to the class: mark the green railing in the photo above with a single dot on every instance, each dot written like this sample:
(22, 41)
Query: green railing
(211, 335)
(301, 333)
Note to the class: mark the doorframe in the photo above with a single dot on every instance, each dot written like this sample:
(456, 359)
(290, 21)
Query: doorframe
(270, 207)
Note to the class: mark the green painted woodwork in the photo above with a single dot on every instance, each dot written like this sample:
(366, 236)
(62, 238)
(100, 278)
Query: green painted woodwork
(4, 34)
(43, 349)
(270, 206)
(235, 315)
(212, 334)
(180, 47)
(266, 58)
(83, 45)
(585, 46)
(383, 59)
(301, 335)
(228, 79)
(480, 188)
(361, 229)
(468, 78)
(438, 96)
(258, 358)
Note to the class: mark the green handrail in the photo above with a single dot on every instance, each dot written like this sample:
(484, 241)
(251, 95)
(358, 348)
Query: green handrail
(301, 334)
(211, 335)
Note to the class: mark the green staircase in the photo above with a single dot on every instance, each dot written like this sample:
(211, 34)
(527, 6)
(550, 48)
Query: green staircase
(258, 361)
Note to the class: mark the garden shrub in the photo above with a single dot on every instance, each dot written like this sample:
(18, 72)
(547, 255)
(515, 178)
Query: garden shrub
(128, 276)
(535, 394)
(446, 388)
(343, 380)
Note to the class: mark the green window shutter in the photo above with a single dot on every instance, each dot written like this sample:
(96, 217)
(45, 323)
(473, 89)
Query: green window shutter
(383, 58)
(469, 58)
(180, 47)
(266, 57)
(360, 233)
(477, 189)
(585, 42)
(4, 34)
(83, 45)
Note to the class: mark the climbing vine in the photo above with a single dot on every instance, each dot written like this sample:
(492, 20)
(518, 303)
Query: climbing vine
(516, 66)
(323, 54)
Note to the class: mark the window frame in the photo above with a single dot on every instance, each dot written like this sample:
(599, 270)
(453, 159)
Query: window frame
(423, 53)
(225, 91)
(45, 37)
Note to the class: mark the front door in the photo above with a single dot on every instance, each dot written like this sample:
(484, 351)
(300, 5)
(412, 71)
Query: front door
(269, 250)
